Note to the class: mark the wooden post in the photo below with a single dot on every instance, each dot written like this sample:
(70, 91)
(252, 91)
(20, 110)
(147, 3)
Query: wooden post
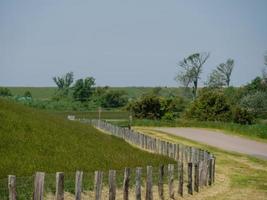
(181, 178)
(213, 174)
(59, 186)
(138, 183)
(98, 184)
(170, 180)
(78, 185)
(12, 187)
(149, 183)
(160, 183)
(210, 178)
(38, 193)
(112, 184)
(190, 179)
(126, 182)
(196, 177)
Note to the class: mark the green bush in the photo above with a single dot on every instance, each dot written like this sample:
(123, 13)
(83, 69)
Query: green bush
(242, 116)
(5, 92)
(168, 116)
(114, 99)
(211, 105)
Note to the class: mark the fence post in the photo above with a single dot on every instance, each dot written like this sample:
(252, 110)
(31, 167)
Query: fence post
(181, 178)
(112, 184)
(126, 182)
(211, 168)
(138, 183)
(78, 185)
(213, 174)
(98, 184)
(190, 177)
(59, 186)
(12, 187)
(196, 177)
(39, 186)
(149, 183)
(160, 183)
(170, 180)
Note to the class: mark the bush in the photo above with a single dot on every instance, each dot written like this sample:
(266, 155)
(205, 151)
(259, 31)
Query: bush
(5, 92)
(168, 116)
(211, 105)
(27, 94)
(114, 99)
(242, 116)
(148, 107)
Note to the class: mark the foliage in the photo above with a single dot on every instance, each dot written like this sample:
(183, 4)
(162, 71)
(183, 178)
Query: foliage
(191, 70)
(5, 92)
(82, 89)
(114, 99)
(27, 94)
(64, 82)
(168, 116)
(255, 103)
(211, 105)
(257, 84)
(32, 140)
(148, 107)
(242, 116)
(174, 105)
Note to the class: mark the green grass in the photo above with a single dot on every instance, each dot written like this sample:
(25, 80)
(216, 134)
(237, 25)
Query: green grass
(33, 140)
(255, 131)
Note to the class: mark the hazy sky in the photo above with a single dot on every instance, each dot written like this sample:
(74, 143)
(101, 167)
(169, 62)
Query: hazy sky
(125, 43)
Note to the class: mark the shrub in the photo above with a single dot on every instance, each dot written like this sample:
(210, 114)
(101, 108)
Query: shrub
(168, 116)
(114, 99)
(242, 116)
(211, 105)
(5, 92)
(27, 94)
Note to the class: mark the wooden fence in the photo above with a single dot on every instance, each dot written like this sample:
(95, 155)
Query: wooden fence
(182, 179)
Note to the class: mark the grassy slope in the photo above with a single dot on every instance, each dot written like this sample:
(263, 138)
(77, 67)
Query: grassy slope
(32, 140)
(237, 176)
(37, 92)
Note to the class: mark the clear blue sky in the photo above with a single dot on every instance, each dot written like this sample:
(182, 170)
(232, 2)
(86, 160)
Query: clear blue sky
(126, 43)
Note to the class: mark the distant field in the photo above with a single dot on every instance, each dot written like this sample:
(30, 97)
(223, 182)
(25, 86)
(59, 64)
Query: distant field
(133, 92)
(37, 92)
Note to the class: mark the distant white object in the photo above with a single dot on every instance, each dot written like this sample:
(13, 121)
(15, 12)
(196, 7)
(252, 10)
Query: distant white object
(71, 117)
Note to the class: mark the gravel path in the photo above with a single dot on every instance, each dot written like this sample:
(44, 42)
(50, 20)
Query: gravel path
(221, 140)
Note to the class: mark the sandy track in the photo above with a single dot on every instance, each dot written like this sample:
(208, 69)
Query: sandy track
(221, 140)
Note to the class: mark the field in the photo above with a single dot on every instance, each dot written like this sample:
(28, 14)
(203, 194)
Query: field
(33, 140)
(45, 93)
(237, 176)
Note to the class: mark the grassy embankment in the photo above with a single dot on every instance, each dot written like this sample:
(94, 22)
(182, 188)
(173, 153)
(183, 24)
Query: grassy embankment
(238, 176)
(33, 140)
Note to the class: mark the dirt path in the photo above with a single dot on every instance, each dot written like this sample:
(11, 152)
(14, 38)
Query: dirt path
(221, 140)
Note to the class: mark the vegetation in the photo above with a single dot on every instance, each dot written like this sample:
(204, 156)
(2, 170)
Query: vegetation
(114, 99)
(82, 89)
(5, 92)
(33, 140)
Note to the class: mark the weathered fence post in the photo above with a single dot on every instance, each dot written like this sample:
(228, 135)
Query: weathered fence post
(98, 184)
(126, 182)
(138, 183)
(213, 174)
(160, 183)
(190, 179)
(112, 184)
(78, 185)
(211, 168)
(59, 186)
(181, 178)
(170, 180)
(38, 193)
(12, 187)
(149, 183)
(196, 177)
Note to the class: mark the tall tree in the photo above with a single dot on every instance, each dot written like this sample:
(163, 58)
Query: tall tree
(83, 89)
(191, 70)
(225, 69)
(215, 79)
(64, 82)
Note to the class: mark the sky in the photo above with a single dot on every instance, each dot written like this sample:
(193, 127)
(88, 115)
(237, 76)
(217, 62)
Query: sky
(128, 43)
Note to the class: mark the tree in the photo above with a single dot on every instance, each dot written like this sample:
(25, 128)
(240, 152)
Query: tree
(215, 79)
(64, 82)
(83, 89)
(191, 70)
(27, 94)
(5, 92)
(225, 69)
